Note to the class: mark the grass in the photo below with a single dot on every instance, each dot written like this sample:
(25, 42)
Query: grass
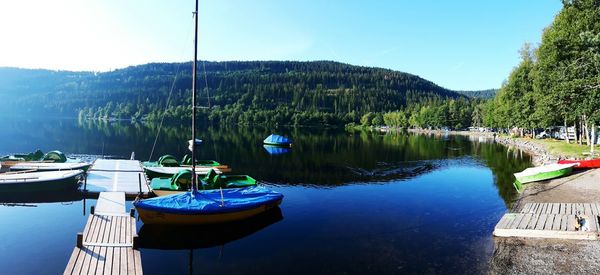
(562, 148)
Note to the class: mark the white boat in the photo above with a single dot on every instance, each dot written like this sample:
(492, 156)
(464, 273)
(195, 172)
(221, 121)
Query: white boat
(50, 166)
(154, 172)
(39, 181)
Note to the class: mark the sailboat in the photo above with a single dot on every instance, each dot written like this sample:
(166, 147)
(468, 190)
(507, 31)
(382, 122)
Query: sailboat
(206, 206)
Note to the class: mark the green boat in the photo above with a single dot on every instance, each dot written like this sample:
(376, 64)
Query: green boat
(166, 166)
(545, 172)
(37, 156)
(181, 182)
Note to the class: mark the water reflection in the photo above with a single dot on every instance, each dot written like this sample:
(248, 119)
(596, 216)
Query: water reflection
(276, 150)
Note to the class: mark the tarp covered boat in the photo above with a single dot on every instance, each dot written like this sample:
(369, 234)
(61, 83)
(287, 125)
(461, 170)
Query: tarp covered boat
(544, 172)
(208, 206)
(582, 164)
(277, 140)
(38, 181)
(37, 156)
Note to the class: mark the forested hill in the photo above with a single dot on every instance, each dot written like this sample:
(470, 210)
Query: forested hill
(283, 92)
(485, 94)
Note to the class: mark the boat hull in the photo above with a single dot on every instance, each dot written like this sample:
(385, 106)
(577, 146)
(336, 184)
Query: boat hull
(582, 164)
(167, 172)
(156, 217)
(544, 175)
(38, 185)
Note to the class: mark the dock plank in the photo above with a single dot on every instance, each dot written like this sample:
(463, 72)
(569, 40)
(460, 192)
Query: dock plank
(107, 244)
(524, 221)
(526, 208)
(557, 221)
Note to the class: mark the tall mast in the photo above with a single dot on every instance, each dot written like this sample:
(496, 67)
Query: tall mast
(194, 179)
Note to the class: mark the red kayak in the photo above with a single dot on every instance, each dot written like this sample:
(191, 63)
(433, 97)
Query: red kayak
(582, 164)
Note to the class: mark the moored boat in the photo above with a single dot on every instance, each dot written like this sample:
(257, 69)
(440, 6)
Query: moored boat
(544, 172)
(208, 206)
(277, 140)
(50, 166)
(582, 164)
(37, 156)
(182, 180)
(39, 181)
(167, 172)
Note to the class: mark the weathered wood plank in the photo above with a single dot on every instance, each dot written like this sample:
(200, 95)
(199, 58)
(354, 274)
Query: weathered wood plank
(130, 261)
(72, 260)
(138, 262)
(571, 223)
(123, 261)
(524, 221)
(541, 222)
(563, 222)
(516, 221)
(87, 227)
(116, 260)
(503, 221)
(594, 209)
(526, 208)
(592, 223)
(101, 260)
(555, 208)
(557, 221)
(549, 222)
(108, 263)
(587, 209)
(533, 221)
(569, 209)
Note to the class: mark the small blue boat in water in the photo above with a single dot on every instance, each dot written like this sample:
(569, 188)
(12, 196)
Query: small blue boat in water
(277, 140)
(208, 206)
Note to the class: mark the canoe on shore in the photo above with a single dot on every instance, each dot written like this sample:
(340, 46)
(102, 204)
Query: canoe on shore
(582, 164)
(544, 172)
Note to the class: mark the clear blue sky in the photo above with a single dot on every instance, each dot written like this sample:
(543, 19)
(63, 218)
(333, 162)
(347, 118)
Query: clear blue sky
(459, 44)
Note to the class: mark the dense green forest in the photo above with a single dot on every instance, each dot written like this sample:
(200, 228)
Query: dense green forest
(557, 83)
(259, 92)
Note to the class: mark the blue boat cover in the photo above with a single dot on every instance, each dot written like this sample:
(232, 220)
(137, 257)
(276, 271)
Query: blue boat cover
(276, 150)
(277, 139)
(209, 201)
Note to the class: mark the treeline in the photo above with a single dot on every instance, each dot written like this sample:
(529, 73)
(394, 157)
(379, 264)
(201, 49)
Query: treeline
(557, 83)
(260, 92)
(451, 113)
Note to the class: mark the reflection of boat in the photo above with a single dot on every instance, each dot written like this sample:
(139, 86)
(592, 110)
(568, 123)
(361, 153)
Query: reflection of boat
(277, 140)
(34, 196)
(50, 166)
(544, 172)
(39, 181)
(204, 236)
(276, 150)
(582, 164)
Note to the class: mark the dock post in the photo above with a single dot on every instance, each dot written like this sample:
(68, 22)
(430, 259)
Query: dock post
(132, 212)
(92, 208)
(140, 183)
(79, 239)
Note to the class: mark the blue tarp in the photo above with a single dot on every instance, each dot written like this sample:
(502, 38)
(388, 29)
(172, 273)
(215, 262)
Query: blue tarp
(209, 201)
(277, 139)
(276, 150)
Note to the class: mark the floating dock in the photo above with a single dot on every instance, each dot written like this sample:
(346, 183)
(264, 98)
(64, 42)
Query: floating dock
(551, 220)
(107, 244)
(112, 175)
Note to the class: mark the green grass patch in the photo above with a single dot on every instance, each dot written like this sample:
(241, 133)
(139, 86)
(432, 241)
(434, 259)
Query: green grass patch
(562, 148)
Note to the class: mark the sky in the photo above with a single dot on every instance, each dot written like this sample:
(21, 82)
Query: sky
(459, 44)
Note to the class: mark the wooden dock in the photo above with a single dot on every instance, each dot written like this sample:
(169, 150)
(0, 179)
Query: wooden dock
(107, 244)
(550, 220)
(111, 175)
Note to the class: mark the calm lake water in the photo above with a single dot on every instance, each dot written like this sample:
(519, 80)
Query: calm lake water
(355, 203)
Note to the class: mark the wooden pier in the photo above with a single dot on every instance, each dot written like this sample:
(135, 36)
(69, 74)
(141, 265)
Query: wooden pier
(108, 242)
(111, 175)
(551, 220)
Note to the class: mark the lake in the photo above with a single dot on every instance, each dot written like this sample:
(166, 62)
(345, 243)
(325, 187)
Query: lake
(355, 202)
